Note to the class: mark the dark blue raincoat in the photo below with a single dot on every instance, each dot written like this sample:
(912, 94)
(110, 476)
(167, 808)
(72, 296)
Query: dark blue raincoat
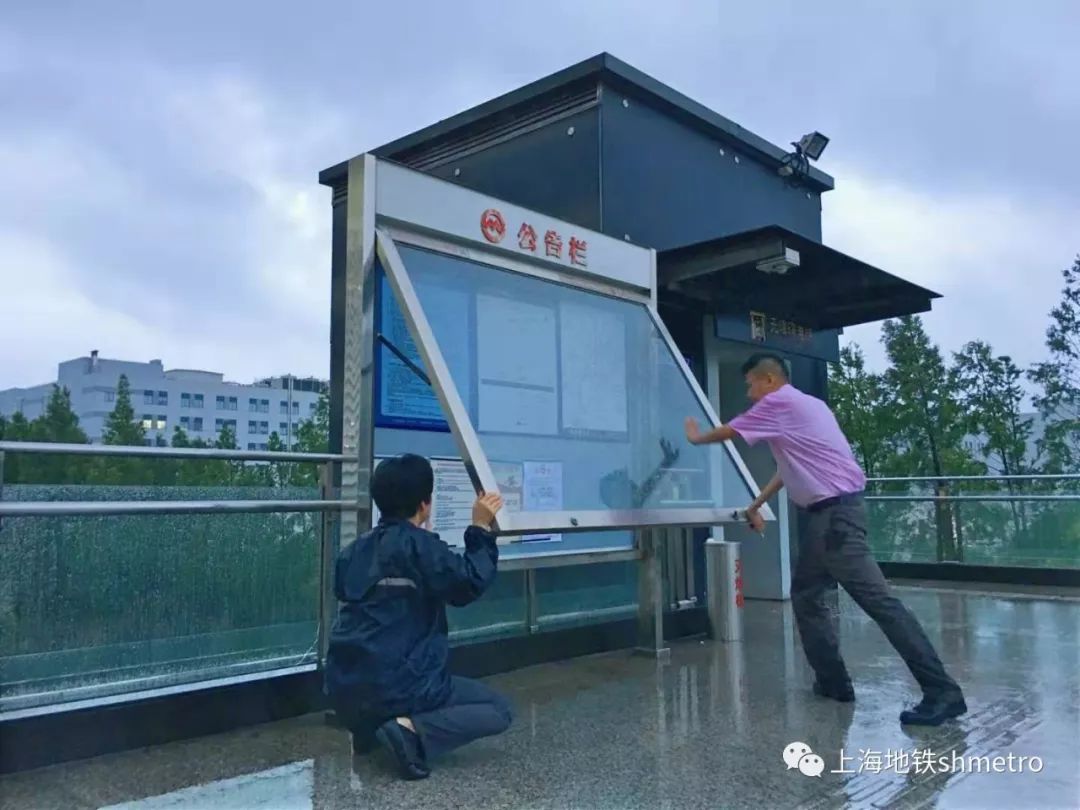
(388, 647)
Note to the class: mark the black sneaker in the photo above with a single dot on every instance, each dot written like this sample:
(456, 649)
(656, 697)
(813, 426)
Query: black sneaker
(933, 711)
(843, 693)
(404, 746)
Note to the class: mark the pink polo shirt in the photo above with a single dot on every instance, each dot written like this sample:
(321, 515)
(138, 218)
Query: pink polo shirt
(812, 454)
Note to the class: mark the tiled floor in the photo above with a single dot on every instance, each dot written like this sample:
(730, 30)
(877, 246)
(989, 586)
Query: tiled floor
(706, 730)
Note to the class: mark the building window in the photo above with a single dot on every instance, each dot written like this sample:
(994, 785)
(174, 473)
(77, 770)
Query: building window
(253, 405)
(252, 426)
(148, 397)
(232, 404)
(264, 406)
(162, 397)
(312, 406)
(196, 424)
(251, 446)
(264, 428)
(148, 442)
(185, 400)
(197, 401)
(147, 422)
(283, 428)
(220, 404)
(284, 409)
(110, 395)
(220, 424)
(185, 423)
(161, 422)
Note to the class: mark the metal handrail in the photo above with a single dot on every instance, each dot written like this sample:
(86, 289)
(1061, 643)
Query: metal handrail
(947, 478)
(988, 498)
(87, 508)
(58, 449)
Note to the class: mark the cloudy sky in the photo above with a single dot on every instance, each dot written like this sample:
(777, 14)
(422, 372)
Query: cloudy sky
(158, 161)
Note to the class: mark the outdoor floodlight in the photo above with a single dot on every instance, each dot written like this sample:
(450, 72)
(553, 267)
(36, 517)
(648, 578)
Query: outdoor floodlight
(812, 145)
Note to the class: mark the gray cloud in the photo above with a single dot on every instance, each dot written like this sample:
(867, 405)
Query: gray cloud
(159, 161)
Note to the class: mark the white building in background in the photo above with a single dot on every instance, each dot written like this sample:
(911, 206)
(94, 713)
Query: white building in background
(200, 402)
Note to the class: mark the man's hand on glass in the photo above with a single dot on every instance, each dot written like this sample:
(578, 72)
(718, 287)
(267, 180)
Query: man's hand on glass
(693, 430)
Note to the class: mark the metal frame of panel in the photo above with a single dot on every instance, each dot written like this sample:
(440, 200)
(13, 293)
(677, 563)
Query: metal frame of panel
(390, 231)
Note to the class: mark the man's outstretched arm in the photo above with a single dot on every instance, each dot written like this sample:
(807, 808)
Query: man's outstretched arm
(695, 436)
(771, 488)
(753, 511)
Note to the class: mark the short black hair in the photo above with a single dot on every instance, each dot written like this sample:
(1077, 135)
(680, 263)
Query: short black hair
(765, 361)
(401, 485)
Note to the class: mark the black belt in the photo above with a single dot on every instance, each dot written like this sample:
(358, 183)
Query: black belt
(838, 500)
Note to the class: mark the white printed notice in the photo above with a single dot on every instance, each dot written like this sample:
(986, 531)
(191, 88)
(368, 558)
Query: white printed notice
(593, 354)
(517, 367)
(510, 477)
(451, 501)
(542, 492)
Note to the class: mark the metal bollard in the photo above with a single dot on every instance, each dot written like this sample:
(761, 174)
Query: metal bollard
(724, 582)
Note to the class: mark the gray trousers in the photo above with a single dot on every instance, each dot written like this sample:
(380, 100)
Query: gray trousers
(834, 550)
(473, 710)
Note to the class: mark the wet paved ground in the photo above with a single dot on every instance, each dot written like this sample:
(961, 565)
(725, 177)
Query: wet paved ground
(707, 730)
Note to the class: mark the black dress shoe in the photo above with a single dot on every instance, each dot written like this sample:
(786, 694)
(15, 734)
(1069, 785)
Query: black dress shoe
(841, 692)
(933, 711)
(404, 747)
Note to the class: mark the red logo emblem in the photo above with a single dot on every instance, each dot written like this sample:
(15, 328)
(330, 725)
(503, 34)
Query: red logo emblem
(493, 226)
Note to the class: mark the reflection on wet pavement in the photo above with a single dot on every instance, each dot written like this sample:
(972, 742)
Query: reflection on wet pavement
(706, 730)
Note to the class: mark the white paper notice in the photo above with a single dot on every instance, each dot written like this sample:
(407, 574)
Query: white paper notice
(543, 492)
(508, 477)
(451, 501)
(517, 367)
(593, 354)
(451, 505)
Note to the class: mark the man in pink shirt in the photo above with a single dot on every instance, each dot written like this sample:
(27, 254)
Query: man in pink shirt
(814, 461)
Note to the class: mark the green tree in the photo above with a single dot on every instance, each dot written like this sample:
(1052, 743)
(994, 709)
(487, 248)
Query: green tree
(227, 473)
(312, 436)
(195, 472)
(122, 429)
(58, 425)
(267, 474)
(1058, 378)
(928, 421)
(992, 399)
(16, 429)
(858, 397)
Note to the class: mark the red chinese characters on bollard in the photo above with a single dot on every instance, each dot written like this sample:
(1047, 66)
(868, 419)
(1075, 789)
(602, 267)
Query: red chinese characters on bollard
(738, 584)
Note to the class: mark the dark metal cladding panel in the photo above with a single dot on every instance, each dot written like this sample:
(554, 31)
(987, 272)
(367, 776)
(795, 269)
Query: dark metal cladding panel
(667, 184)
(551, 166)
